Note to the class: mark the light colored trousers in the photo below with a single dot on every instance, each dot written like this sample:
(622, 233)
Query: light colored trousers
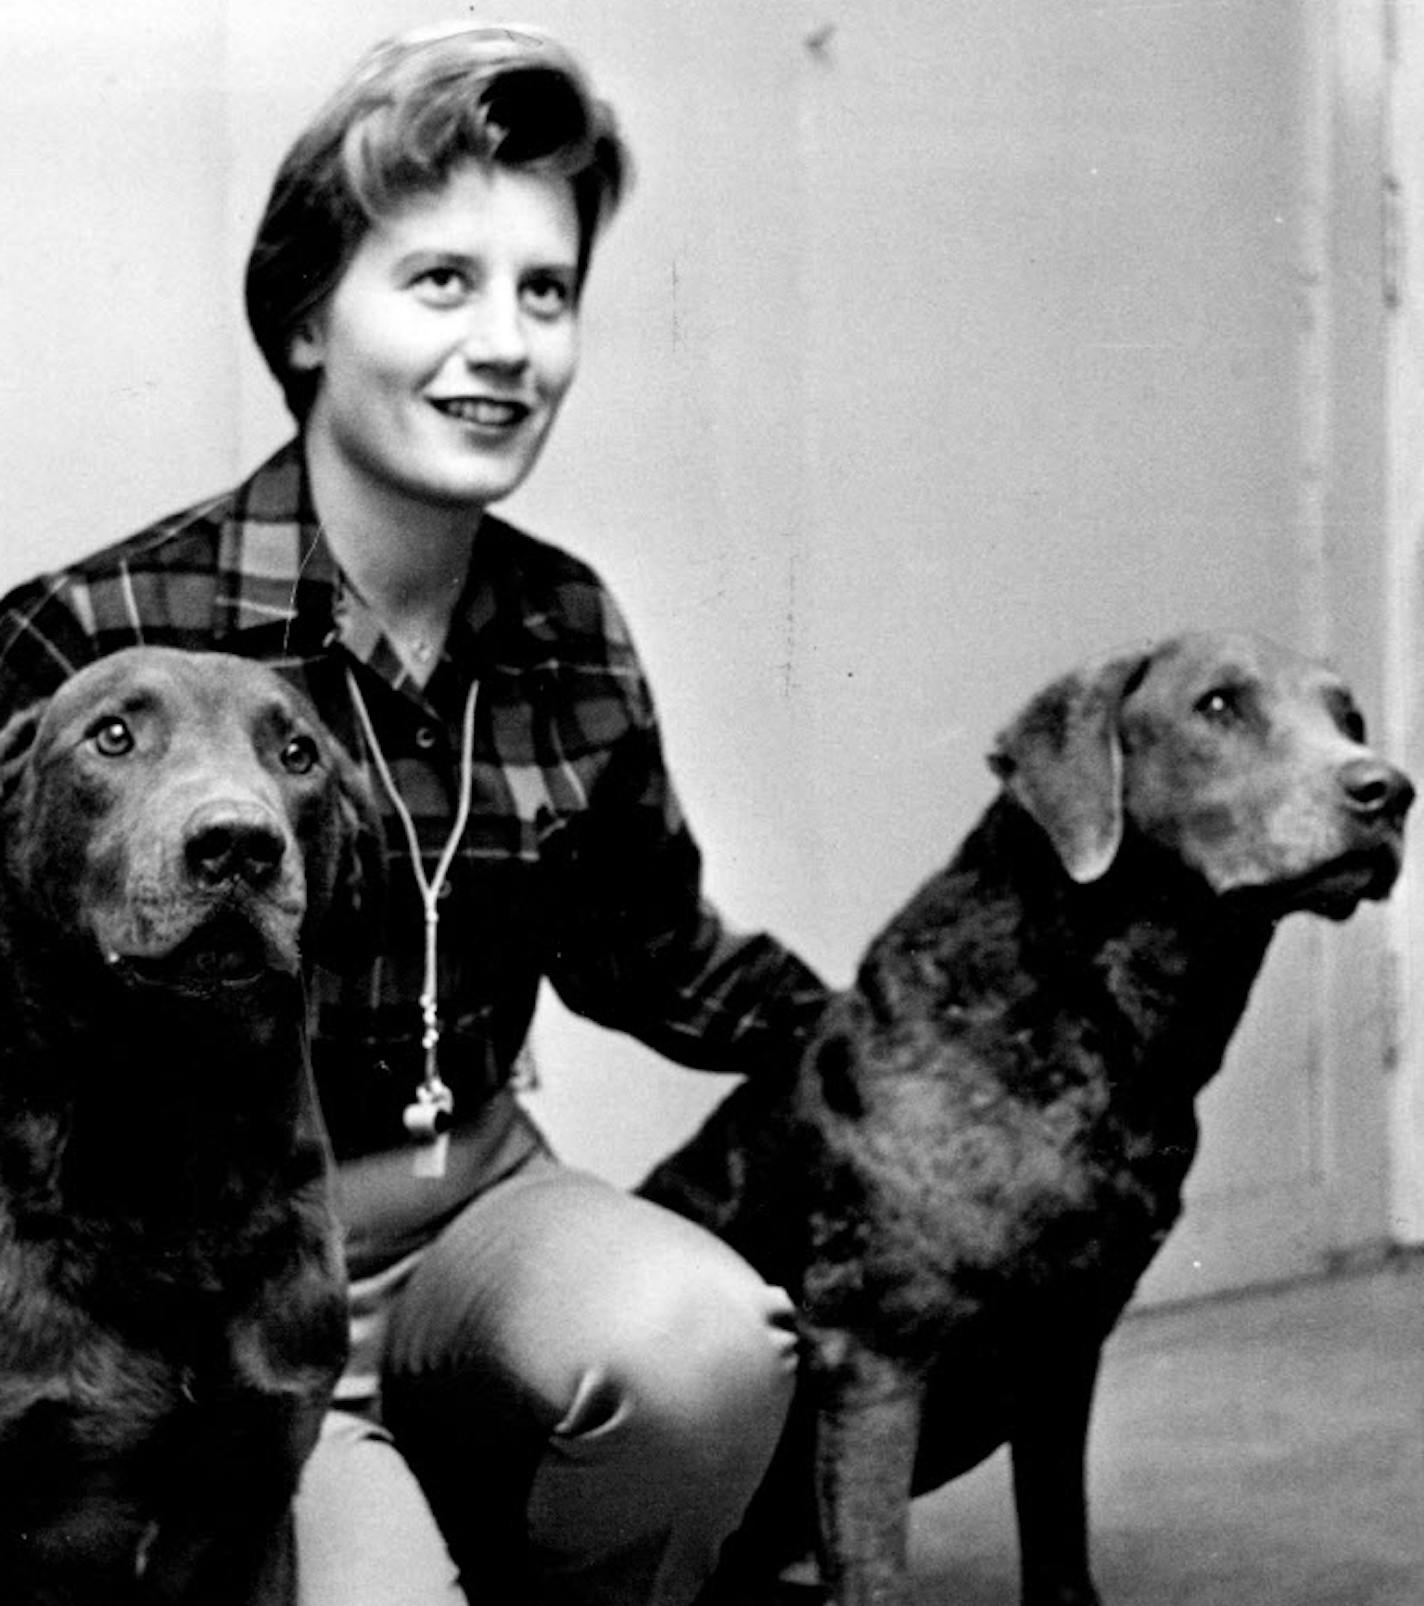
(583, 1391)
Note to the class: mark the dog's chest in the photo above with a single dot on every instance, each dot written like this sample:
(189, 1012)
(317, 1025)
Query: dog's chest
(947, 1198)
(79, 1412)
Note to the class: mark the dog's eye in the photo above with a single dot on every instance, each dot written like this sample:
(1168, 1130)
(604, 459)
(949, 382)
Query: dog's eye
(300, 756)
(1349, 721)
(112, 737)
(1221, 705)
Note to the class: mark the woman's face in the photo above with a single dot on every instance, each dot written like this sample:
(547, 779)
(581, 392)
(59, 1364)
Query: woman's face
(449, 342)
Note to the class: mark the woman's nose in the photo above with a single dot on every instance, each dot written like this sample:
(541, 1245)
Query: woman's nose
(495, 331)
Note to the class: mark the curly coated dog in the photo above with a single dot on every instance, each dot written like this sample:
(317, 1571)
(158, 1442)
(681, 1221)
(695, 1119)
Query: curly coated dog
(177, 828)
(986, 1142)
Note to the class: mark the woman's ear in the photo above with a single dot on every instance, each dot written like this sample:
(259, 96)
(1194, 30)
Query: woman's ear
(307, 350)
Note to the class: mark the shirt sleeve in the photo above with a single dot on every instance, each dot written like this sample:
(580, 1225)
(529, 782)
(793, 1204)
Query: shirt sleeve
(638, 948)
(43, 640)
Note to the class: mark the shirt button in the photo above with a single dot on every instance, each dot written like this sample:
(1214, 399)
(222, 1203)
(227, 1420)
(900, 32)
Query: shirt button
(425, 738)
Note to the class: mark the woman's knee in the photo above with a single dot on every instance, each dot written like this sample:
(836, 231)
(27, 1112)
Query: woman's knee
(670, 1426)
(572, 1304)
(694, 1349)
(573, 1355)
(555, 1275)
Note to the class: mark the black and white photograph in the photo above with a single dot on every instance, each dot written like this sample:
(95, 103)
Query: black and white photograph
(709, 726)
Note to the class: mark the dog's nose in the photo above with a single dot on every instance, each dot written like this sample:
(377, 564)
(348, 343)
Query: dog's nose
(231, 842)
(1376, 789)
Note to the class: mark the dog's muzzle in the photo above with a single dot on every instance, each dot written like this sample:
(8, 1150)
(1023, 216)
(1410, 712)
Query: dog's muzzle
(232, 842)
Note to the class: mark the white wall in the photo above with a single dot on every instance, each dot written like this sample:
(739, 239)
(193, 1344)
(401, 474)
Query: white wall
(120, 355)
(938, 348)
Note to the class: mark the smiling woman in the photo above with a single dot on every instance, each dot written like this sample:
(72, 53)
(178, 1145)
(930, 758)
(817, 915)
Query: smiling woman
(415, 288)
(443, 354)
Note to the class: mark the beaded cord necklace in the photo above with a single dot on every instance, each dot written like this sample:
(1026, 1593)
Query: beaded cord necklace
(427, 1118)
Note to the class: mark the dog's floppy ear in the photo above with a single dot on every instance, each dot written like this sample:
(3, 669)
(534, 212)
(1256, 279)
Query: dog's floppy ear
(347, 922)
(1061, 759)
(17, 738)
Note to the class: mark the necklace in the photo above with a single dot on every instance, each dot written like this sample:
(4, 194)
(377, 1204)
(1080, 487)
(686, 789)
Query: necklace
(428, 1117)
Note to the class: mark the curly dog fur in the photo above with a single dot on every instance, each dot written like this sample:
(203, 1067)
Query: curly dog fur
(986, 1143)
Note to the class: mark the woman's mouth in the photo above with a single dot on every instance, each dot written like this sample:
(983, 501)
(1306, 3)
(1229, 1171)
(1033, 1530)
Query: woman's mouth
(482, 412)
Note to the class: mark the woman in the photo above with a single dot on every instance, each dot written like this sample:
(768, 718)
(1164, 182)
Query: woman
(587, 1388)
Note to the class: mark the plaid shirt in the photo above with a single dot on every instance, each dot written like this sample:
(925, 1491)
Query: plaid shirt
(576, 863)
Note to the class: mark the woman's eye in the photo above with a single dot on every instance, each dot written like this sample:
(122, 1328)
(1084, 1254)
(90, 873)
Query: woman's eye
(548, 296)
(442, 286)
(112, 738)
(300, 756)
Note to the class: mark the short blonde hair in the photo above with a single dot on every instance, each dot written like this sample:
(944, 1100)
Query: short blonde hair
(413, 108)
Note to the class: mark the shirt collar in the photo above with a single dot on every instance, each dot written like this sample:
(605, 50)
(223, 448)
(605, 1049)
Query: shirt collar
(281, 575)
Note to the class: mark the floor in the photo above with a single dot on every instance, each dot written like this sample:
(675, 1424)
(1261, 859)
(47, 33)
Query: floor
(1257, 1450)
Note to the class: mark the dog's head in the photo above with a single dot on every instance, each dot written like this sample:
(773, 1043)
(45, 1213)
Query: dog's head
(185, 816)
(1246, 761)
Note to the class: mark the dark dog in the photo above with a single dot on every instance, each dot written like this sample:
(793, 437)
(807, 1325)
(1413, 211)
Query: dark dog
(986, 1143)
(171, 1298)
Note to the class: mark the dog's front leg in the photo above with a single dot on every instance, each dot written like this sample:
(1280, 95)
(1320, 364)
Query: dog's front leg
(867, 1430)
(1049, 1445)
(193, 1566)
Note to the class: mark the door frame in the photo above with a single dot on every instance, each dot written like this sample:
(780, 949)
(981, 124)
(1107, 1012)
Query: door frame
(1402, 288)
